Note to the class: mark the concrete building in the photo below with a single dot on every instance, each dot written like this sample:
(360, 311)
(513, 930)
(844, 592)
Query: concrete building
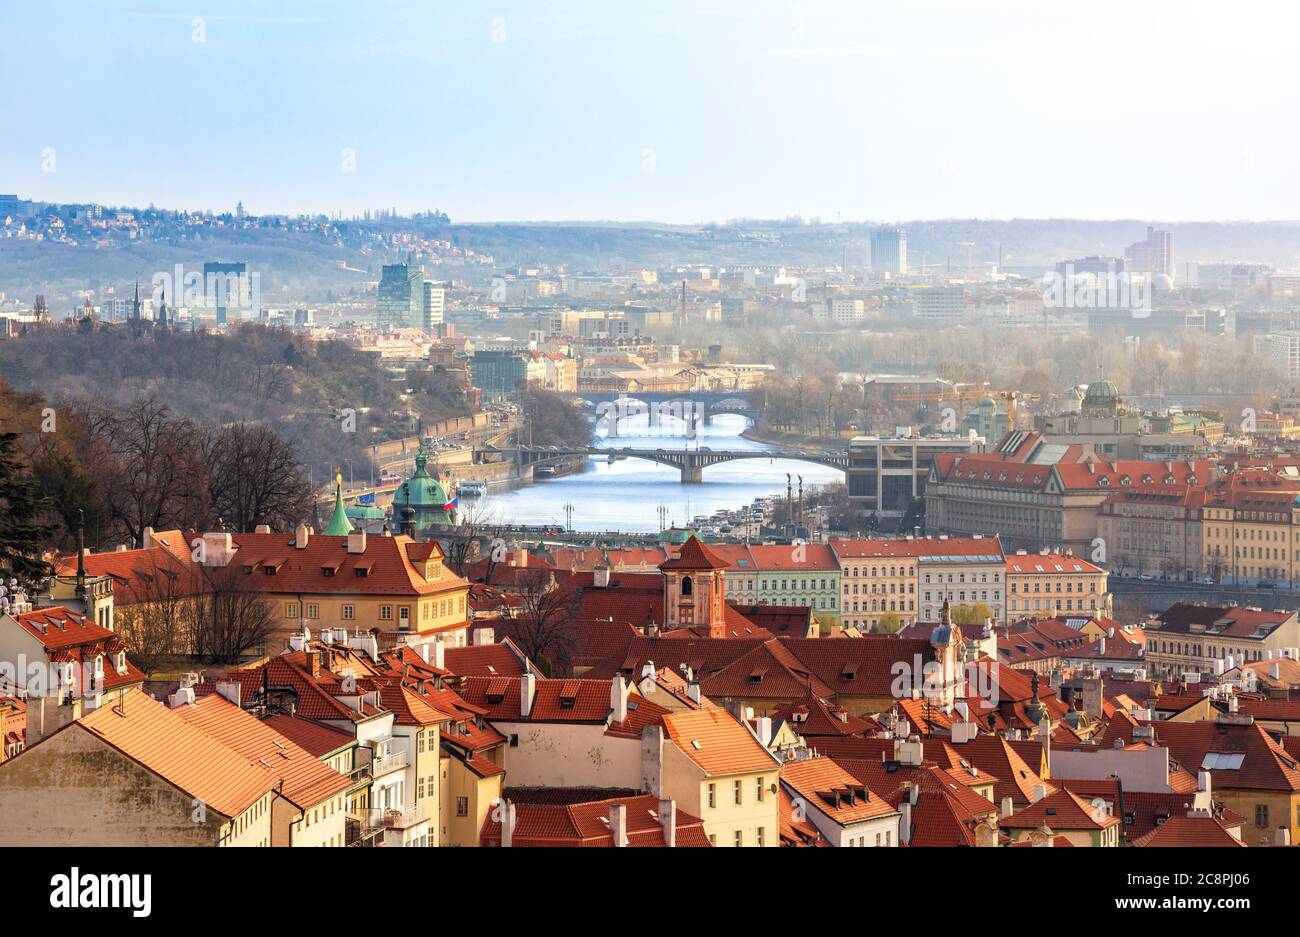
(889, 252)
(888, 474)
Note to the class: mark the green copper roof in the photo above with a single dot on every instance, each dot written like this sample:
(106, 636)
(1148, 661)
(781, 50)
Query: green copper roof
(339, 525)
(425, 495)
(675, 535)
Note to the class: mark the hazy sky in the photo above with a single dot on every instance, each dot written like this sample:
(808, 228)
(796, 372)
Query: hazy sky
(668, 111)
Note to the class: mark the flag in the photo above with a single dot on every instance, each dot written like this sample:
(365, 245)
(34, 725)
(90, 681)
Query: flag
(450, 505)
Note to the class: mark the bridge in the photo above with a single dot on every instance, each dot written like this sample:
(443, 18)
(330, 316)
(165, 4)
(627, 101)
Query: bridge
(690, 462)
(682, 404)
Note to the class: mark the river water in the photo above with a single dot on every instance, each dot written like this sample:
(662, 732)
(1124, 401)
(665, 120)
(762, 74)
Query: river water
(626, 495)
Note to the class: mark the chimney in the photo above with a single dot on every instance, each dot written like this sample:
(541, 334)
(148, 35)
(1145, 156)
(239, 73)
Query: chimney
(618, 823)
(357, 541)
(46, 715)
(617, 699)
(652, 759)
(507, 823)
(1283, 837)
(668, 820)
(483, 636)
(1045, 736)
(1203, 781)
(439, 653)
(230, 691)
(763, 727)
(1274, 671)
(527, 692)
(313, 663)
(905, 822)
(693, 691)
(182, 697)
(1039, 792)
(301, 536)
(1008, 808)
(600, 577)
(262, 529)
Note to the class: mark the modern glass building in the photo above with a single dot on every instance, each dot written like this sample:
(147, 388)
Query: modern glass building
(401, 297)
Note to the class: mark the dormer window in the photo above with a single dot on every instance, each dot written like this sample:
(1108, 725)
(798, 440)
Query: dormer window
(121, 662)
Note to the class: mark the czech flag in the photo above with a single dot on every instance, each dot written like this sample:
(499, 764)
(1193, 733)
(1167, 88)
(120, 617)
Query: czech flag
(450, 505)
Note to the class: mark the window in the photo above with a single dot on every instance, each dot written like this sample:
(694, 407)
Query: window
(386, 612)
(713, 795)
(313, 610)
(758, 836)
(290, 609)
(462, 806)
(1261, 816)
(736, 791)
(404, 613)
(687, 585)
(758, 791)
(740, 838)
(349, 612)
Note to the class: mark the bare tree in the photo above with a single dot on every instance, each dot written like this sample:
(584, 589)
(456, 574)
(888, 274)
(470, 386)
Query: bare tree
(254, 477)
(159, 621)
(477, 536)
(231, 616)
(540, 623)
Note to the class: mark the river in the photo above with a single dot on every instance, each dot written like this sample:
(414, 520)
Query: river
(626, 495)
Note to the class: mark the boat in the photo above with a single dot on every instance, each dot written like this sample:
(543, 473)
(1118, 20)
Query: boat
(472, 488)
(544, 471)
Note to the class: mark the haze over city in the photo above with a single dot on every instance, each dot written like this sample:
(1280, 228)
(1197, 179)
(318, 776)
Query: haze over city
(672, 112)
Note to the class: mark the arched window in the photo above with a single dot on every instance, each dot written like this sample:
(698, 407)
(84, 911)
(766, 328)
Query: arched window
(687, 586)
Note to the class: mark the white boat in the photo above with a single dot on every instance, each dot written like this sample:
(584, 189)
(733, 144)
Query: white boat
(472, 488)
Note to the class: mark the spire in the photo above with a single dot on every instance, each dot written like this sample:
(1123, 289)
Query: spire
(339, 525)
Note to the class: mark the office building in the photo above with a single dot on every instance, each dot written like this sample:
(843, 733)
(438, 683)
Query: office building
(889, 252)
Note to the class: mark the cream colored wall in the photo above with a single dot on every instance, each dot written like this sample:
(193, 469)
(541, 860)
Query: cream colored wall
(554, 754)
(686, 783)
(74, 790)
(252, 827)
(322, 824)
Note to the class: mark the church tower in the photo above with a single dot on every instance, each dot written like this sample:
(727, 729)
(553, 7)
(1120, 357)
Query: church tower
(695, 590)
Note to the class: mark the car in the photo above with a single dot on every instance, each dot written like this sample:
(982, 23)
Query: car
(1207, 580)
(1265, 585)
(1145, 577)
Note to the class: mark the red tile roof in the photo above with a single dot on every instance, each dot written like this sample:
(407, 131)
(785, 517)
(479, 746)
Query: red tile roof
(717, 743)
(588, 824)
(305, 780)
(1189, 831)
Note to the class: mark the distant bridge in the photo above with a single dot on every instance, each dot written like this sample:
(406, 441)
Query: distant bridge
(680, 404)
(690, 462)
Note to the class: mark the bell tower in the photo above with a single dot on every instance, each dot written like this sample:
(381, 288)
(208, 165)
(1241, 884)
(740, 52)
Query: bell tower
(695, 589)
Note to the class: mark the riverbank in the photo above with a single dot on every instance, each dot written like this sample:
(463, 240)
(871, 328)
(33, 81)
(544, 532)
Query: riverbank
(790, 441)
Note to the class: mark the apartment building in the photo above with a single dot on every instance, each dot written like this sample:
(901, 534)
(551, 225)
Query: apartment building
(1046, 585)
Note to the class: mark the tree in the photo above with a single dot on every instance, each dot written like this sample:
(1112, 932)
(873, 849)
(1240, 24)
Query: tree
(552, 418)
(230, 616)
(539, 624)
(889, 622)
(477, 536)
(158, 624)
(254, 477)
(23, 535)
(971, 614)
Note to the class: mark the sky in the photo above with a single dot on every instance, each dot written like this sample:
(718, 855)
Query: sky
(658, 110)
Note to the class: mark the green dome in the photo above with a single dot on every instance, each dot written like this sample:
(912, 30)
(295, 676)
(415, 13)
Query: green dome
(675, 535)
(1101, 393)
(363, 513)
(423, 494)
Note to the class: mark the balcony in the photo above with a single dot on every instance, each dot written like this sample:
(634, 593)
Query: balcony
(391, 818)
(393, 762)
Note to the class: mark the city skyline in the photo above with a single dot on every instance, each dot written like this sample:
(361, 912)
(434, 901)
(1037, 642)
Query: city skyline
(298, 112)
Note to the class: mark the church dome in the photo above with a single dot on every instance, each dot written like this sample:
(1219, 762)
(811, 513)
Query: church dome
(425, 496)
(1101, 394)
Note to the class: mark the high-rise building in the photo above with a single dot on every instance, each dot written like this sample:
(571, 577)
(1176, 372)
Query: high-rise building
(401, 296)
(435, 301)
(221, 281)
(889, 251)
(1153, 256)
